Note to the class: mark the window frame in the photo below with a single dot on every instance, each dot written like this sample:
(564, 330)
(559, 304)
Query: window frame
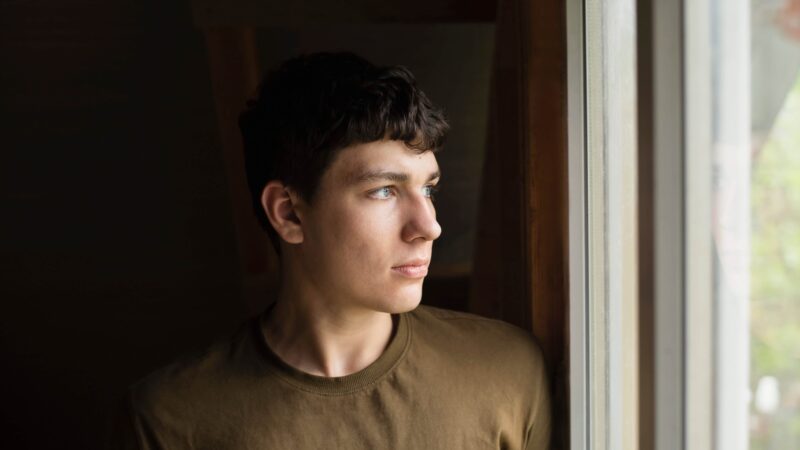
(603, 212)
(677, 406)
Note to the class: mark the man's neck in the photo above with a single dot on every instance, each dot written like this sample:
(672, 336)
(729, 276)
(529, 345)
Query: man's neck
(323, 339)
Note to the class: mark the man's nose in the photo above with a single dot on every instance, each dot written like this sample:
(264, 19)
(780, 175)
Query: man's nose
(421, 220)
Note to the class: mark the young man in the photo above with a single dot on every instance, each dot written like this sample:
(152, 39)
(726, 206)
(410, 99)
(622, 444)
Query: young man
(341, 166)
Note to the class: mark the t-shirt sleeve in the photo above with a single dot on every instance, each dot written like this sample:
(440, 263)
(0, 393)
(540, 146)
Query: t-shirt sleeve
(540, 425)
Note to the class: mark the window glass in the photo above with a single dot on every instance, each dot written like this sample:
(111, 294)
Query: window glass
(756, 222)
(775, 234)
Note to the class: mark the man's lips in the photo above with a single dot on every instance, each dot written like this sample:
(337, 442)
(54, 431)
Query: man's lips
(417, 268)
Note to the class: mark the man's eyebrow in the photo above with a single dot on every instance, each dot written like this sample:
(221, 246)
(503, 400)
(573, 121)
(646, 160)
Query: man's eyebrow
(377, 175)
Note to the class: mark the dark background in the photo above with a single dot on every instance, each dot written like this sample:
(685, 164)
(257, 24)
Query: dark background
(118, 245)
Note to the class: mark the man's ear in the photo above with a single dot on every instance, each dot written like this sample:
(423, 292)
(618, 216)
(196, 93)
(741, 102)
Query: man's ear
(280, 205)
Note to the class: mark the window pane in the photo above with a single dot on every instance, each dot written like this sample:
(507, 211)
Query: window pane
(775, 238)
(756, 222)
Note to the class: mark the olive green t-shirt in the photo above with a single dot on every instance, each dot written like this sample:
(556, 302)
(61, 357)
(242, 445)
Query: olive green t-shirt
(447, 380)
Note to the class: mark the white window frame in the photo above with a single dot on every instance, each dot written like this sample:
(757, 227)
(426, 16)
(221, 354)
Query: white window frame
(602, 220)
(602, 130)
(689, 398)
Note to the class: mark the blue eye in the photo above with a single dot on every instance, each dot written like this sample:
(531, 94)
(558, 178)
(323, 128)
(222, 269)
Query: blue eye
(430, 190)
(381, 193)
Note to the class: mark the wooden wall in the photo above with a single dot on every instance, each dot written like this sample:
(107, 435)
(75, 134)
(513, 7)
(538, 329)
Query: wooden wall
(521, 252)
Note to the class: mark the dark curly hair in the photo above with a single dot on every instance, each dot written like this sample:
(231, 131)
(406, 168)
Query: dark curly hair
(312, 106)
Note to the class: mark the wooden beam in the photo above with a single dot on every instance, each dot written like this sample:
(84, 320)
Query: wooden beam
(521, 262)
(521, 259)
(647, 323)
(237, 13)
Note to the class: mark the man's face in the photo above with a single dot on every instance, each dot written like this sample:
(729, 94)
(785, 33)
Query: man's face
(368, 235)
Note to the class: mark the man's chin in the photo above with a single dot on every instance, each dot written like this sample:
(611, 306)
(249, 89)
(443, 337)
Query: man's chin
(403, 304)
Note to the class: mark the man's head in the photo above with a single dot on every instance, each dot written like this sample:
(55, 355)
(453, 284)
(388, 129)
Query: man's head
(340, 165)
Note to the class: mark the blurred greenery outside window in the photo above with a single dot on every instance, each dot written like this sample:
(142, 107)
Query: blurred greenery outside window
(774, 313)
(775, 283)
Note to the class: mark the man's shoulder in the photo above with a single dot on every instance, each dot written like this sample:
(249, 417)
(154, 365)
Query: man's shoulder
(196, 374)
(474, 336)
(480, 327)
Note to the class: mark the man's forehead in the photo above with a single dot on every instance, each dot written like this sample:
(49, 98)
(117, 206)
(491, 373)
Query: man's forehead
(368, 175)
(386, 160)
